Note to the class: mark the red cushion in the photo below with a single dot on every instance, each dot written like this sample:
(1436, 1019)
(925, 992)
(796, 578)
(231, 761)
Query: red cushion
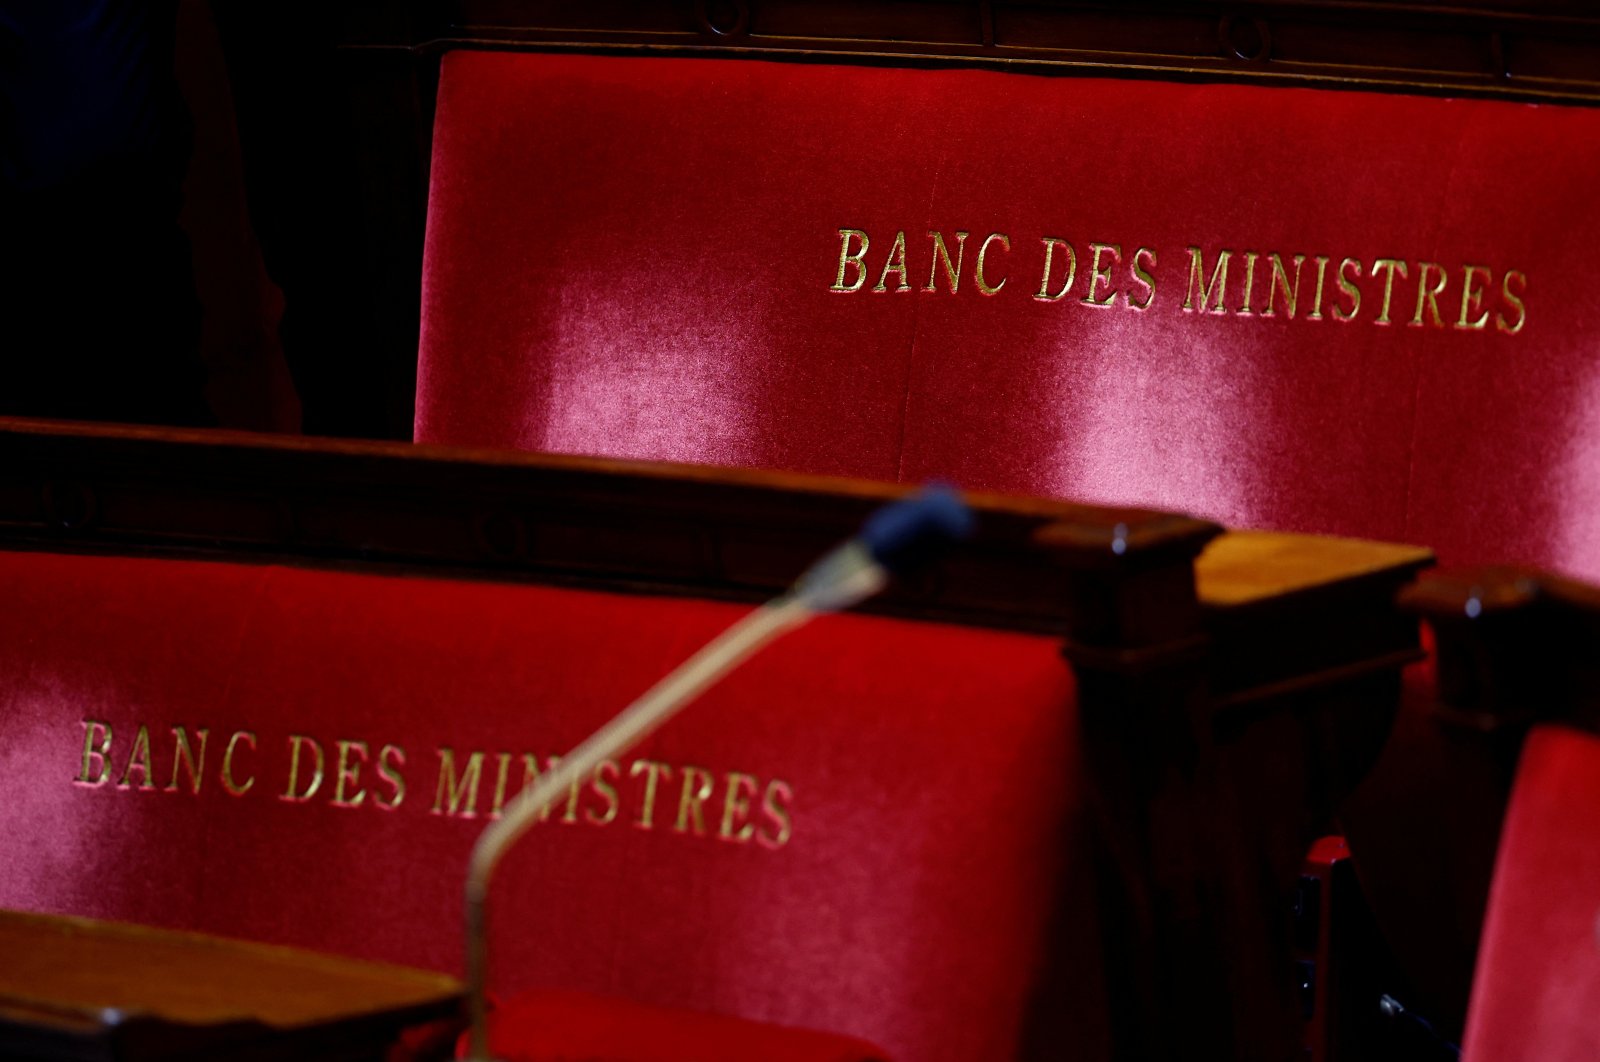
(899, 859)
(1536, 996)
(555, 1026)
(634, 256)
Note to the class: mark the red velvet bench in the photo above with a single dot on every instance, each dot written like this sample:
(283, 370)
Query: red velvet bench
(1308, 310)
(1048, 799)
(1304, 309)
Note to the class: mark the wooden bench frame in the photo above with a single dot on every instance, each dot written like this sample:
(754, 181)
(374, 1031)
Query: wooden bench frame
(1191, 677)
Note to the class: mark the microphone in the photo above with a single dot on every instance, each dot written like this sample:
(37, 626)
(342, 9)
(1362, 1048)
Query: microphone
(894, 540)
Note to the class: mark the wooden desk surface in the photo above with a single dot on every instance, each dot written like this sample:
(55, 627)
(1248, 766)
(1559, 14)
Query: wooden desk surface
(76, 977)
(1241, 567)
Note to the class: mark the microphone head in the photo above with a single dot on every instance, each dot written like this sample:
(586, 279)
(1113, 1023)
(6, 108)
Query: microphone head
(907, 533)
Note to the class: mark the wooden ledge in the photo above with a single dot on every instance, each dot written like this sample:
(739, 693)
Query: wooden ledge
(1246, 567)
(1471, 593)
(73, 979)
(1291, 613)
(621, 525)
(1505, 49)
(1514, 646)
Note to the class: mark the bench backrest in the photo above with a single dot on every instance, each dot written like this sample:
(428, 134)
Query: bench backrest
(1060, 674)
(1352, 313)
(883, 846)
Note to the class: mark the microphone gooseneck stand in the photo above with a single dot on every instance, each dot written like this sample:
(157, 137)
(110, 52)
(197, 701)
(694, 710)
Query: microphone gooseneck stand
(895, 537)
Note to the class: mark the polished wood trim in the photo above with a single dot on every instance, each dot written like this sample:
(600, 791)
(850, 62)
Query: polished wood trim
(1515, 646)
(68, 983)
(1491, 590)
(1491, 48)
(1130, 591)
(624, 525)
(1250, 567)
(84, 964)
(1279, 611)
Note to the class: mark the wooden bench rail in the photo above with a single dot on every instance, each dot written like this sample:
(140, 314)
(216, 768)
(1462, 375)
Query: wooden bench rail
(606, 524)
(1515, 646)
(1491, 48)
(80, 988)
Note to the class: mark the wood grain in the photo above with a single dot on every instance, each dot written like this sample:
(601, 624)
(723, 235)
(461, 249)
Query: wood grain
(1250, 566)
(1492, 48)
(79, 988)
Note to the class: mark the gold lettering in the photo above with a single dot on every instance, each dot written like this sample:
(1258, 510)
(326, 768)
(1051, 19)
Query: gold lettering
(952, 273)
(96, 768)
(1280, 283)
(692, 796)
(461, 790)
(1472, 298)
(1219, 282)
(1050, 245)
(605, 791)
(1427, 295)
(1147, 278)
(347, 772)
(1322, 268)
(1522, 312)
(390, 773)
(897, 254)
(184, 755)
(1249, 283)
(296, 743)
(1349, 289)
(980, 277)
(1390, 267)
(502, 769)
(530, 774)
(1096, 274)
(777, 811)
(570, 815)
(652, 770)
(228, 784)
(139, 758)
(736, 808)
(846, 260)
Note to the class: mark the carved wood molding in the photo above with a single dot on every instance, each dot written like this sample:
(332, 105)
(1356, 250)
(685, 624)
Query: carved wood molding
(635, 526)
(1534, 51)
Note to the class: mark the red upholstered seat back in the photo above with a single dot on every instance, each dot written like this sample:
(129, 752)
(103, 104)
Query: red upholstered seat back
(539, 1026)
(701, 260)
(1536, 996)
(881, 847)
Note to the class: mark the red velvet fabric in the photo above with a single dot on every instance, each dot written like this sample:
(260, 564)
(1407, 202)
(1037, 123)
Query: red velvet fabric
(1536, 996)
(634, 257)
(559, 1026)
(915, 882)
